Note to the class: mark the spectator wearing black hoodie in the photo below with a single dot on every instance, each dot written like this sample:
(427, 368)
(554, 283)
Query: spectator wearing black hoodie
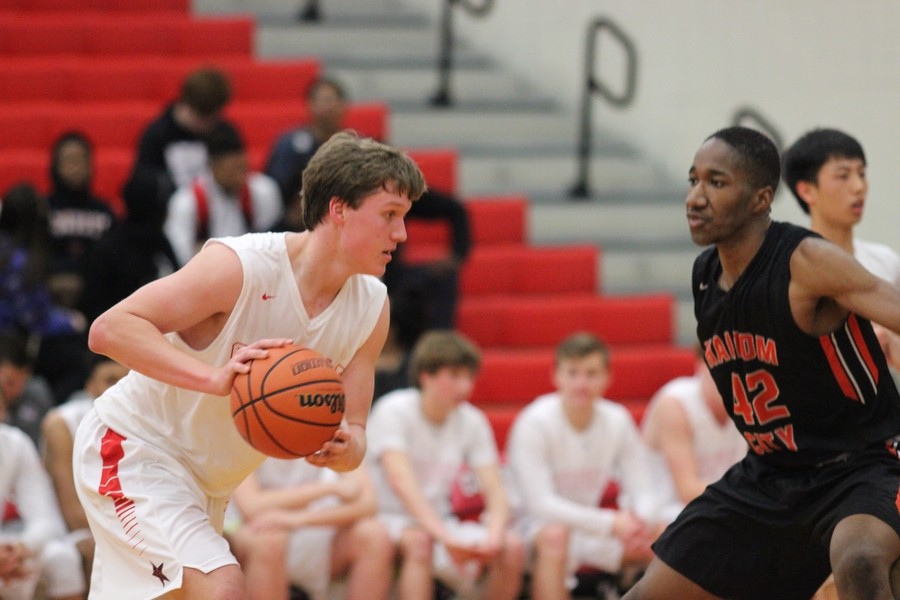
(76, 218)
(135, 251)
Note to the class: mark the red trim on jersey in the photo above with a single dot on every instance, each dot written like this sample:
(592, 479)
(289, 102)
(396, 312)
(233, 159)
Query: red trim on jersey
(856, 334)
(837, 369)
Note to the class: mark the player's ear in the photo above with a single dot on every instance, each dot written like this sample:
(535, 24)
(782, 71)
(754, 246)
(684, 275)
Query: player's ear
(763, 199)
(806, 191)
(337, 209)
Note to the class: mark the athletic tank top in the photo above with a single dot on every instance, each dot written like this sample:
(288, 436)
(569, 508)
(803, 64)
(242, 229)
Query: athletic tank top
(797, 399)
(198, 428)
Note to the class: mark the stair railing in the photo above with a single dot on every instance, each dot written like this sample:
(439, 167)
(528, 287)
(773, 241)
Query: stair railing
(447, 42)
(751, 117)
(594, 85)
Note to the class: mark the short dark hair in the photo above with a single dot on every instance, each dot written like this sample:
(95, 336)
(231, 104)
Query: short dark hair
(330, 82)
(441, 348)
(804, 159)
(222, 141)
(757, 155)
(581, 344)
(206, 91)
(14, 350)
(351, 168)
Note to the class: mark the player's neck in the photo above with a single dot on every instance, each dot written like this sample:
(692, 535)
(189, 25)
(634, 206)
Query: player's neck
(736, 253)
(578, 414)
(433, 410)
(840, 235)
(319, 277)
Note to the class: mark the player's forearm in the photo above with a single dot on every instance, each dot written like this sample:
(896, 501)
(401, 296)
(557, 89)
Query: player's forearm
(139, 345)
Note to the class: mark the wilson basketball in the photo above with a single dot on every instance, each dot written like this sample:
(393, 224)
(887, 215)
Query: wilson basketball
(290, 403)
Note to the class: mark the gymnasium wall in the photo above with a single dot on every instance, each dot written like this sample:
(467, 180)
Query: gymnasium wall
(801, 63)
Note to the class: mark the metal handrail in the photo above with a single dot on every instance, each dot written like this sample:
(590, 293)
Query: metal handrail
(746, 113)
(594, 85)
(445, 55)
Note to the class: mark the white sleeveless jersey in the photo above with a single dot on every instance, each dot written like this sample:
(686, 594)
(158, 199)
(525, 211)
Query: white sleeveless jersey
(198, 428)
(73, 410)
(717, 446)
(879, 259)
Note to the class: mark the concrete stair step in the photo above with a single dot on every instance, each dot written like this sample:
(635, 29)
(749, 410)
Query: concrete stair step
(497, 174)
(359, 43)
(331, 11)
(403, 86)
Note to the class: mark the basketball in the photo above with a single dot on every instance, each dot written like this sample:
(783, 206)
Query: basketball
(290, 403)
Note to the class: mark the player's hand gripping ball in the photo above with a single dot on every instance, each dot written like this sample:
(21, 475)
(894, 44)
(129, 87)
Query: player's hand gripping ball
(290, 403)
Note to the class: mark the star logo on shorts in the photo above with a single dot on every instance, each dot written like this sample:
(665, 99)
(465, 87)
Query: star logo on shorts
(158, 572)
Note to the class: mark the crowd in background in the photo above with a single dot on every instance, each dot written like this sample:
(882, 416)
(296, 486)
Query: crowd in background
(579, 488)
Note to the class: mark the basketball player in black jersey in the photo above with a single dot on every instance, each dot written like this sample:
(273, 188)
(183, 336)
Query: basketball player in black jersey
(783, 318)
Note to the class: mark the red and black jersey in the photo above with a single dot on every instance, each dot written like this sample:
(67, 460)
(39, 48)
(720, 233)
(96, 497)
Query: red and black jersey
(798, 399)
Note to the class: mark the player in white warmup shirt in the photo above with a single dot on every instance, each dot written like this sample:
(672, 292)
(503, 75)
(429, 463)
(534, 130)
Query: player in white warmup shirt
(692, 439)
(158, 455)
(564, 449)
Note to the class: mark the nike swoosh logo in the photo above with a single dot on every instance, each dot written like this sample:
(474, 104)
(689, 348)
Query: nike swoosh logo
(703, 286)
(267, 297)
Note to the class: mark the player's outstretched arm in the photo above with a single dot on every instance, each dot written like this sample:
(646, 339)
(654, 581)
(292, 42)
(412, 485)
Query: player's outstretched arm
(345, 451)
(821, 271)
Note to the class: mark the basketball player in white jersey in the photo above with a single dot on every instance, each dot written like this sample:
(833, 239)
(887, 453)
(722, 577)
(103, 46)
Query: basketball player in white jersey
(158, 456)
(825, 169)
(692, 439)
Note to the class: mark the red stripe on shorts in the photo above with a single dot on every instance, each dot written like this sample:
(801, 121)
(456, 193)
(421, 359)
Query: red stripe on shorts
(112, 453)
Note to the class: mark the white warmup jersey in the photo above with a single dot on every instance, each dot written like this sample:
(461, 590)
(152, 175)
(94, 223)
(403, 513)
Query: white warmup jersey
(717, 446)
(309, 548)
(72, 411)
(561, 473)
(224, 212)
(879, 259)
(24, 482)
(197, 429)
(436, 451)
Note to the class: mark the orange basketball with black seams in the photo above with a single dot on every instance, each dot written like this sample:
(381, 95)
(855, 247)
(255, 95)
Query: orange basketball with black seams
(290, 403)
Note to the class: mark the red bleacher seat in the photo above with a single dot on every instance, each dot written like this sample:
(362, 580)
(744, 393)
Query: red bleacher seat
(513, 378)
(439, 167)
(493, 221)
(80, 6)
(135, 34)
(497, 321)
(518, 269)
(214, 37)
(369, 119)
(498, 219)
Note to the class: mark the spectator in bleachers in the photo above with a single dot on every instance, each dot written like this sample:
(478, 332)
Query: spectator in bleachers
(692, 438)
(430, 289)
(28, 397)
(228, 200)
(135, 251)
(307, 527)
(32, 547)
(326, 100)
(564, 449)
(57, 438)
(27, 307)
(419, 439)
(174, 142)
(77, 218)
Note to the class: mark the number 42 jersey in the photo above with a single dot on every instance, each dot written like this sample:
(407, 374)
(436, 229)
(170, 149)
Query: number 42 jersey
(797, 399)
